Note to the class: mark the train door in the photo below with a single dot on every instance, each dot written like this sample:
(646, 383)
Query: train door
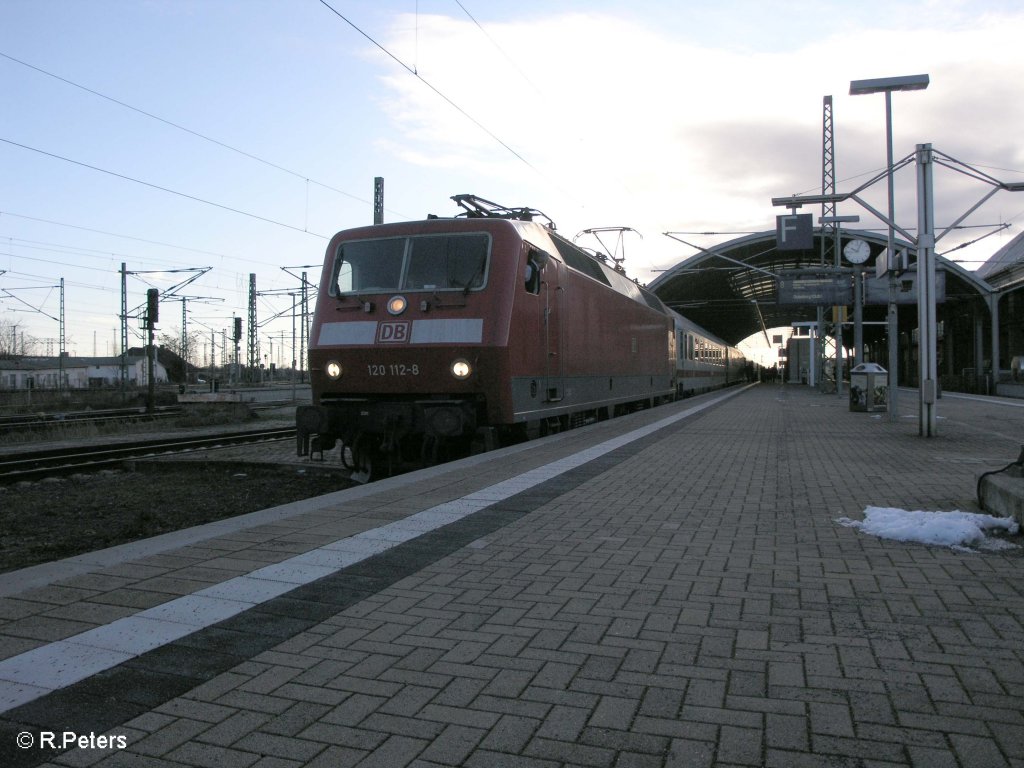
(673, 360)
(553, 291)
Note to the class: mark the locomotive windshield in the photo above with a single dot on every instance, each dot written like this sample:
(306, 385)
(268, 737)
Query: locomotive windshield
(416, 263)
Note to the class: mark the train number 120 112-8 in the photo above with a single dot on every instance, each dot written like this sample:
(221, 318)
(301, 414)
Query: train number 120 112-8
(393, 369)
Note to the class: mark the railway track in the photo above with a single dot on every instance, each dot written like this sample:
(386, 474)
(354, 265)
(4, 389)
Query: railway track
(35, 465)
(37, 421)
(41, 421)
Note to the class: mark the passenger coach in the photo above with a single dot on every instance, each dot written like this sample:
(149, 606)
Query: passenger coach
(705, 362)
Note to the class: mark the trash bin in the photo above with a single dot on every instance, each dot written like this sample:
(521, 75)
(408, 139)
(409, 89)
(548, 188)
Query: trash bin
(869, 387)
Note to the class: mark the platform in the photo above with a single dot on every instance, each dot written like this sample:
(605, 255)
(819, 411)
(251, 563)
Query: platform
(669, 588)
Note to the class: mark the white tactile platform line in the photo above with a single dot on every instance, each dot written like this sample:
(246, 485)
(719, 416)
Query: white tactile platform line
(33, 674)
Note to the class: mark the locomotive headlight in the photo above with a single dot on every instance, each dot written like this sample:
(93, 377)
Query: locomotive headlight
(333, 369)
(397, 305)
(461, 369)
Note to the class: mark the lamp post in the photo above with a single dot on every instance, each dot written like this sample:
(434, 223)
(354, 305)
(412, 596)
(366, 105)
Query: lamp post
(926, 325)
(887, 85)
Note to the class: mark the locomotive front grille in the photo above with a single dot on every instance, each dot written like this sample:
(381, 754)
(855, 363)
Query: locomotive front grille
(435, 418)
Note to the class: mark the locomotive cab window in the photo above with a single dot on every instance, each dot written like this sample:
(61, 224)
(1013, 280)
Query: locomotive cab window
(447, 262)
(418, 263)
(369, 265)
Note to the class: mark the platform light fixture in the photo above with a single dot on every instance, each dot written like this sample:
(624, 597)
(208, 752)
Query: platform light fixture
(796, 201)
(888, 84)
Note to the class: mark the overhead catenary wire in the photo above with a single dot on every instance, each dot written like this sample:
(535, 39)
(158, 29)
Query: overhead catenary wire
(164, 189)
(105, 253)
(113, 234)
(180, 127)
(50, 261)
(229, 147)
(87, 253)
(501, 50)
(185, 195)
(49, 278)
(412, 71)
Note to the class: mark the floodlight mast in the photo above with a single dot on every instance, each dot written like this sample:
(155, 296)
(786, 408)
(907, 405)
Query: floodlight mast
(887, 85)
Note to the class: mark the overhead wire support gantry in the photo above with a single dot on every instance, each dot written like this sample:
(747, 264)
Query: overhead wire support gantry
(60, 320)
(302, 295)
(196, 273)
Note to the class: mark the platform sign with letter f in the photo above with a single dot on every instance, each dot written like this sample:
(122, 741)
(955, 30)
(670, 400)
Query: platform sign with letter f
(794, 232)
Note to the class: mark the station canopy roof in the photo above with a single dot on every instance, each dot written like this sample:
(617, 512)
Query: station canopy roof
(731, 289)
(1005, 268)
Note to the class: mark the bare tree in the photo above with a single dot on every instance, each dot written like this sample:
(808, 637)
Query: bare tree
(13, 339)
(172, 339)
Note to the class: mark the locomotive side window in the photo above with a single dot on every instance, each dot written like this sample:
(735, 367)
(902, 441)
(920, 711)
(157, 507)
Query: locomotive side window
(447, 263)
(531, 276)
(369, 265)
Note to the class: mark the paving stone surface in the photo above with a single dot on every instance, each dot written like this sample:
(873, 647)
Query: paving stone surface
(686, 599)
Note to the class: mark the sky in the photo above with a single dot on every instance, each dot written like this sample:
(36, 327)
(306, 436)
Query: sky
(216, 139)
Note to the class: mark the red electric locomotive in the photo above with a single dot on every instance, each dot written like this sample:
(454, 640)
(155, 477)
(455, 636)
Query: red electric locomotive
(489, 326)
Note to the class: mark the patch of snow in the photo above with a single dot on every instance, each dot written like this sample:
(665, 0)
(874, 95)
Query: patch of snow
(959, 530)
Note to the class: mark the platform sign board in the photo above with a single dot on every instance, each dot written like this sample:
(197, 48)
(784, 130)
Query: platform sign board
(794, 232)
(876, 290)
(815, 288)
(882, 265)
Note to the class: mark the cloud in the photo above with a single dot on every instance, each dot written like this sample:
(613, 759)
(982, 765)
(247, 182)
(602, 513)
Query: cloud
(618, 117)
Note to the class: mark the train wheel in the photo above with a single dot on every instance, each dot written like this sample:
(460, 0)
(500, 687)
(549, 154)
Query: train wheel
(363, 459)
(347, 457)
(365, 472)
(430, 450)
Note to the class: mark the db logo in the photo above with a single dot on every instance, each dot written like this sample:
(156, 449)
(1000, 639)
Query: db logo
(390, 333)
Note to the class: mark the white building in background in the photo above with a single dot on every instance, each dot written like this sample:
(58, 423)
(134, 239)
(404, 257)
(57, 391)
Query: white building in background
(79, 372)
